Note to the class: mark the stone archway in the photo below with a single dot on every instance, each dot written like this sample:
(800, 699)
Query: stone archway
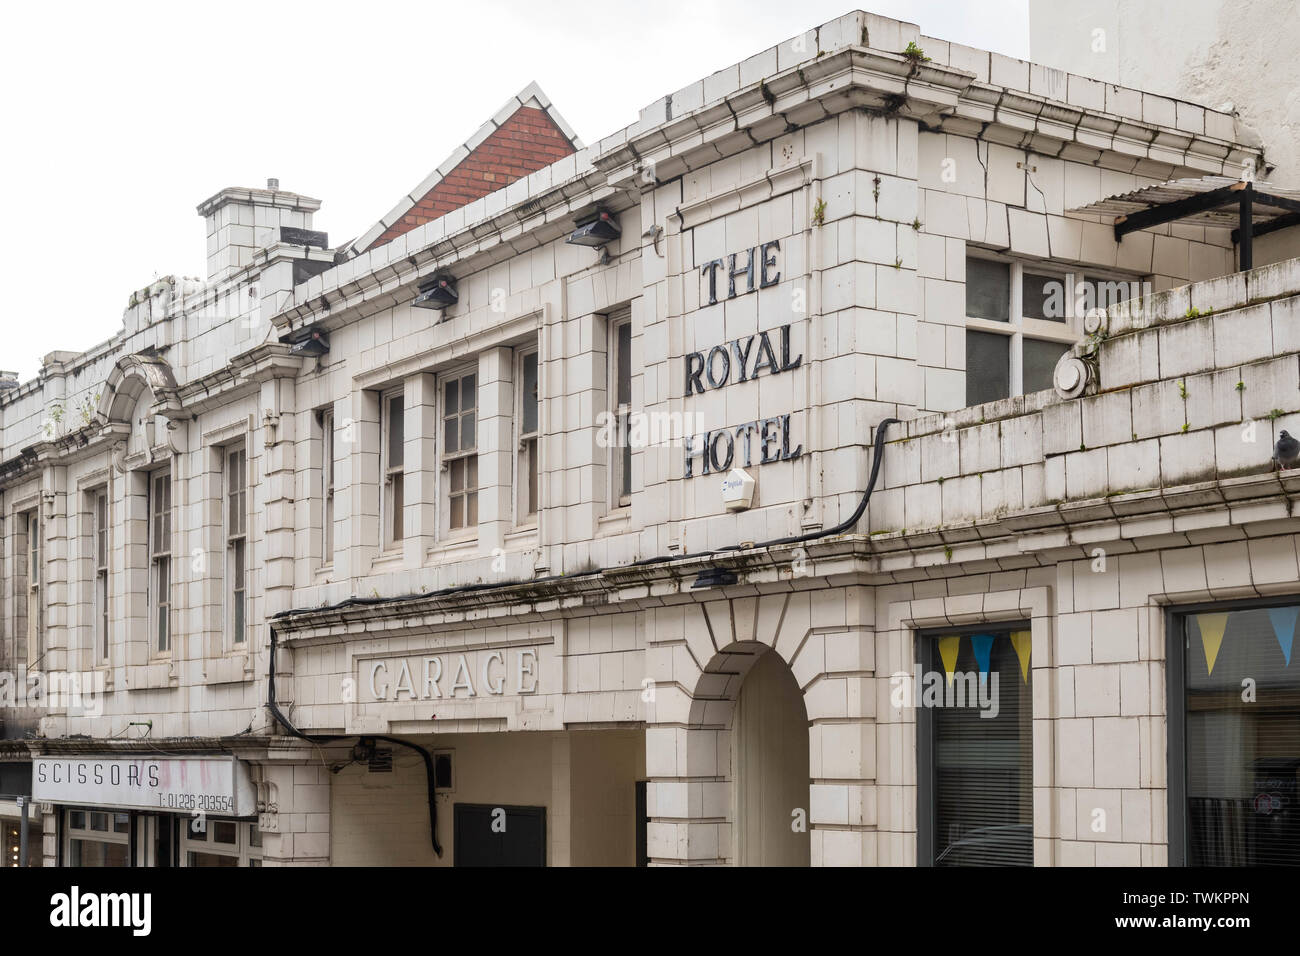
(132, 378)
(139, 403)
(770, 768)
(699, 656)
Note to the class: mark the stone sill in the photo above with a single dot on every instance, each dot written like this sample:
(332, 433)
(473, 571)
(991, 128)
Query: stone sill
(616, 521)
(387, 560)
(152, 676)
(454, 549)
(233, 669)
(521, 537)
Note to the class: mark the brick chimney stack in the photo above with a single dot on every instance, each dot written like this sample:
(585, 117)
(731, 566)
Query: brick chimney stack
(241, 220)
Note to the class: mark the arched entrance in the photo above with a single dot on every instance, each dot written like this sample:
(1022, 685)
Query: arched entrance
(704, 759)
(769, 741)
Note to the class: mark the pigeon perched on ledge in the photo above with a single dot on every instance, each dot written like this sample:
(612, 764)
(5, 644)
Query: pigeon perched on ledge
(1286, 453)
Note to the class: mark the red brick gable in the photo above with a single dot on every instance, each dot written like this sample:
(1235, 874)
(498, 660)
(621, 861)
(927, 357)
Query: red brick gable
(525, 143)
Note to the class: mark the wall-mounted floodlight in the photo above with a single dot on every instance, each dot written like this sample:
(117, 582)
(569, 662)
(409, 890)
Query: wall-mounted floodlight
(309, 341)
(714, 577)
(313, 343)
(596, 230)
(437, 293)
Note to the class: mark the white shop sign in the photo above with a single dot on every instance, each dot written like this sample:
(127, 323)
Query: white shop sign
(218, 785)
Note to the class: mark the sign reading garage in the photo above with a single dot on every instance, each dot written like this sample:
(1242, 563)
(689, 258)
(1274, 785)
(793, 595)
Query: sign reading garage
(491, 672)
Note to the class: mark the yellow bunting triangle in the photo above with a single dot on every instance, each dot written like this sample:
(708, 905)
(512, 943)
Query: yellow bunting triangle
(948, 651)
(1021, 641)
(1212, 627)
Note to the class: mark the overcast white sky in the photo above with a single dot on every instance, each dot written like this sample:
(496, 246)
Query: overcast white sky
(121, 118)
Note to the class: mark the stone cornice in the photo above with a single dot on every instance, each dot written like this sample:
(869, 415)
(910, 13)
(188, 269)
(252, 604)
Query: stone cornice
(840, 559)
(270, 360)
(246, 371)
(388, 275)
(253, 746)
(125, 747)
(855, 78)
(662, 147)
(1051, 128)
(1175, 517)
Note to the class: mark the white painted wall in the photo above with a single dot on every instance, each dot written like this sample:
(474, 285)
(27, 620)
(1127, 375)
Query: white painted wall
(1208, 51)
(1211, 52)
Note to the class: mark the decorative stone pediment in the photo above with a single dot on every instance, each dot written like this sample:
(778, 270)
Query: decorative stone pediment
(140, 399)
(134, 376)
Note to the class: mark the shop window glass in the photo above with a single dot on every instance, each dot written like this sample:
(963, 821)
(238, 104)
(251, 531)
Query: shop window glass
(1241, 708)
(1040, 362)
(988, 290)
(98, 838)
(1042, 297)
(97, 853)
(988, 367)
(975, 710)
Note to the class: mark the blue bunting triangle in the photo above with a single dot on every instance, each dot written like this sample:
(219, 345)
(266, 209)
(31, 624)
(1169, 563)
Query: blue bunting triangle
(1283, 619)
(982, 645)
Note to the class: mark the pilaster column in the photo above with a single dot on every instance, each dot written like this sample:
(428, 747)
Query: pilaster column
(273, 498)
(356, 483)
(131, 573)
(420, 507)
(204, 614)
(496, 403)
(294, 813)
(55, 574)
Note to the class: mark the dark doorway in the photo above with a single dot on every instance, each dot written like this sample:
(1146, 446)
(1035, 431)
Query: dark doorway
(642, 847)
(488, 835)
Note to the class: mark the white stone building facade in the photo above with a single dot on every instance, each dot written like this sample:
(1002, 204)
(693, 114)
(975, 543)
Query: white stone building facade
(333, 551)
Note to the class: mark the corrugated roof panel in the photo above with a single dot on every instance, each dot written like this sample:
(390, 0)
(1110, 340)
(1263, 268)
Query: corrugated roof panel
(1148, 197)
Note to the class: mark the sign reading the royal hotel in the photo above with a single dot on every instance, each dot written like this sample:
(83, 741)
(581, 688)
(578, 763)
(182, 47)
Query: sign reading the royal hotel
(763, 440)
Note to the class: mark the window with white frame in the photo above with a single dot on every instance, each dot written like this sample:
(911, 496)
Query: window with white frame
(98, 838)
(1021, 318)
(325, 421)
(160, 559)
(30, 522)
(236, 482)
(526, 462)
(392, 424)
(620, 400)
(99, 551)
(460, 450)
(214, 842)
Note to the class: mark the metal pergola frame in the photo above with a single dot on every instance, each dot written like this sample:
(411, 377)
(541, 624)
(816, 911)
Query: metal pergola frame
(1243, 195)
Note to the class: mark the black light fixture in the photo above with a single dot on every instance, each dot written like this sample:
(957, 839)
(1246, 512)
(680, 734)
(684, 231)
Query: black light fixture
(309, 341)
(714, 577)
(597, 230)
(438, 292)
